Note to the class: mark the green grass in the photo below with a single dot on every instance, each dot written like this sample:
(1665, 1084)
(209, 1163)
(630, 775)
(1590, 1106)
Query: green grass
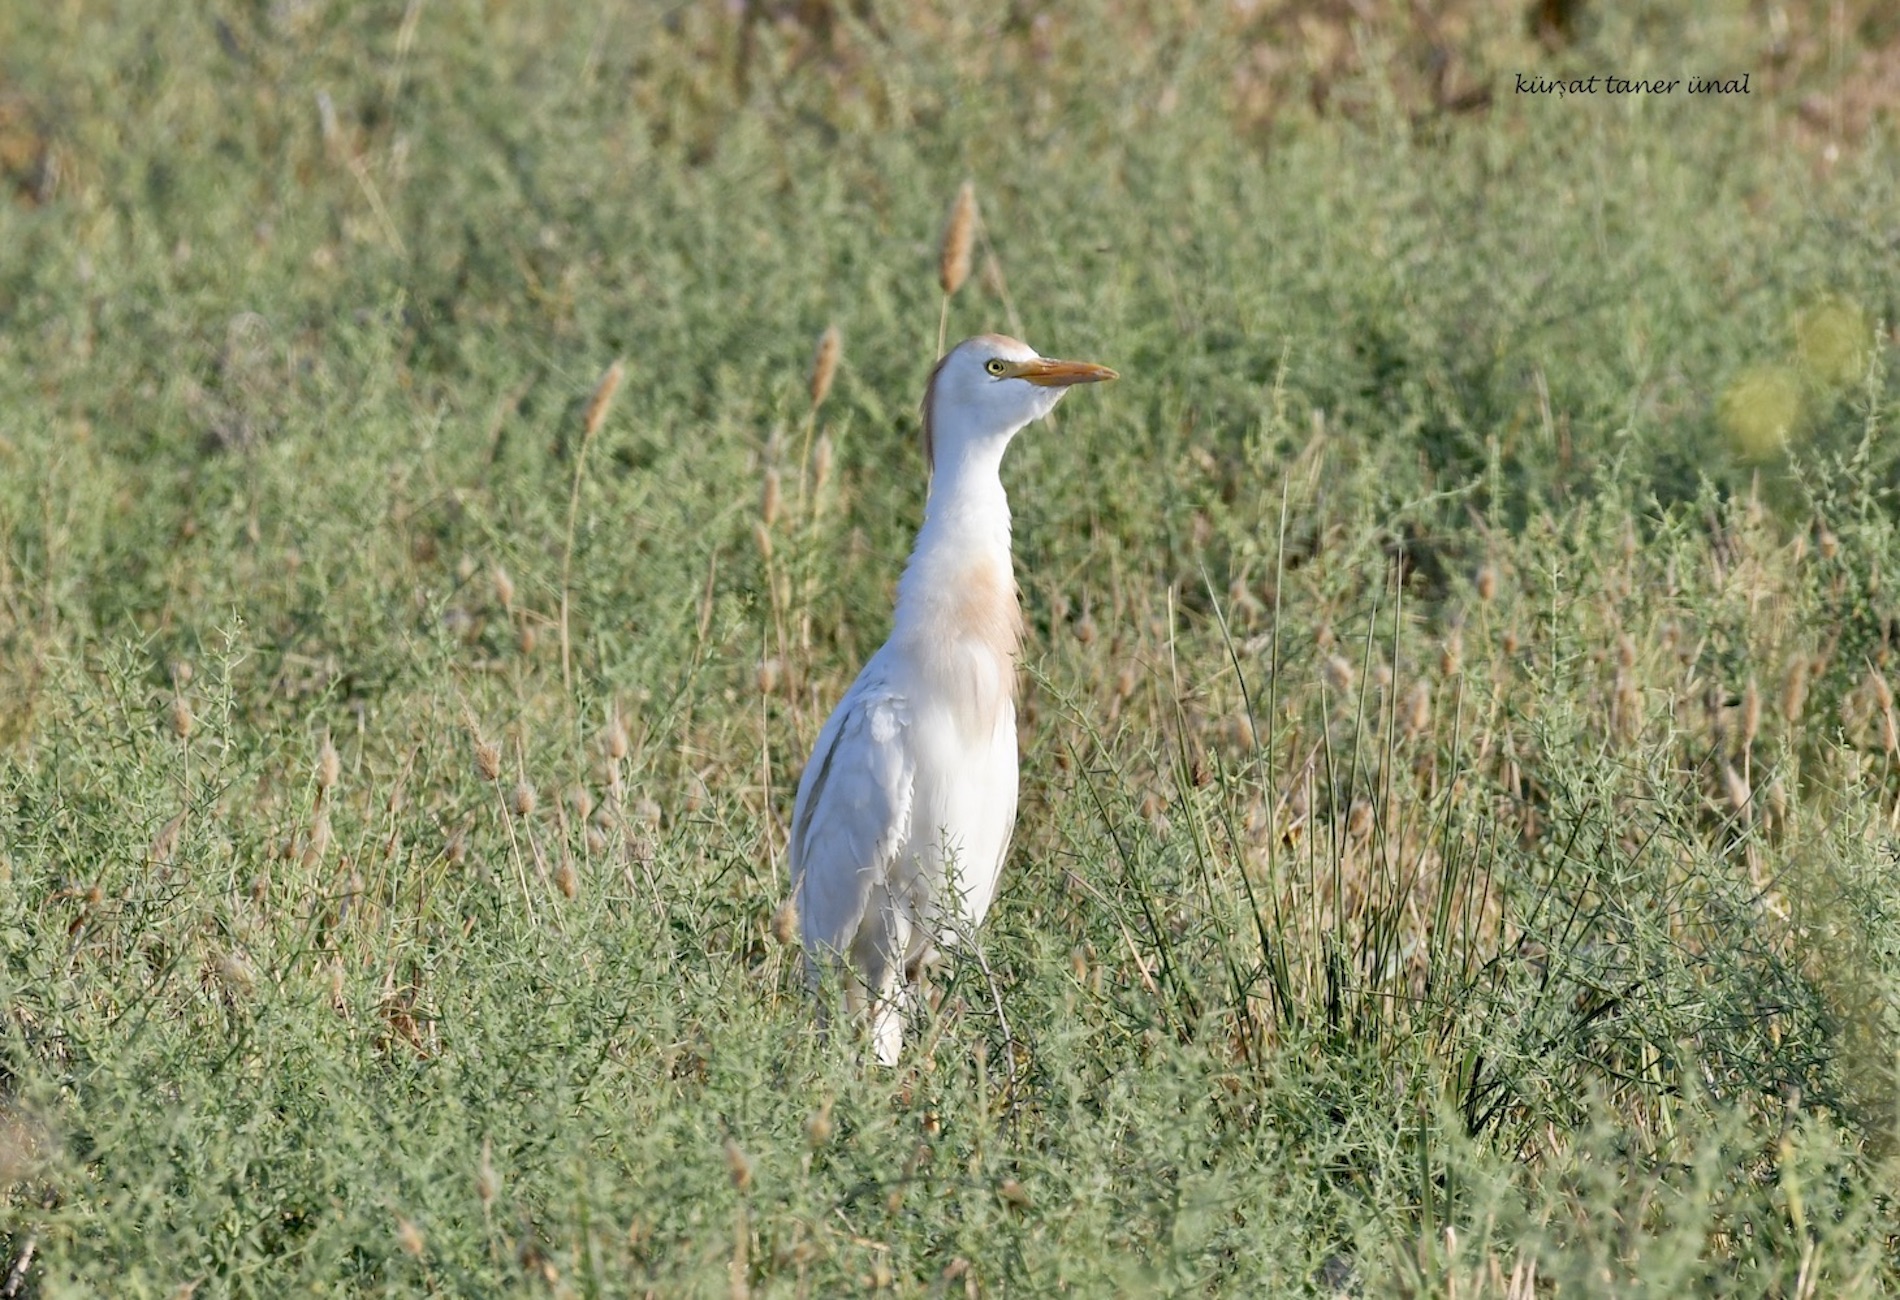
(1460, 785)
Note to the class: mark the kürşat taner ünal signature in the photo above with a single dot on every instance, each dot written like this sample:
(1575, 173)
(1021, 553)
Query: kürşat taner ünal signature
(1608, 85)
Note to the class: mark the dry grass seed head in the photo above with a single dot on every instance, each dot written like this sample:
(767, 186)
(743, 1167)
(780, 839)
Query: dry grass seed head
(1751, 713)
(1854, 710)
(959, 237)
(821, 453)
(237, 974)
(824, 364)
(504, 588)
(523, 799)
(487, 1183)
(487, 759)
(1794, 690)
(603, 399)
(329, 765)
(738, 1166)
(1451, 658)
(1337, 673)
(818, 1125)
(1079, 964)
(1418, 708)
(410, 1238)
(614, 739)
(1487, 582)
(487, 754)
(181, 717)
(769, 498)
(319, 842)
(1877, 687)
(1626, 709)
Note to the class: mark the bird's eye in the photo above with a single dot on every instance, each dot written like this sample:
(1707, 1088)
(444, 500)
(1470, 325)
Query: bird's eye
(997, 366)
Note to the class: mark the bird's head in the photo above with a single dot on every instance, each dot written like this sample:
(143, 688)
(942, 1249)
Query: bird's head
(990, 386)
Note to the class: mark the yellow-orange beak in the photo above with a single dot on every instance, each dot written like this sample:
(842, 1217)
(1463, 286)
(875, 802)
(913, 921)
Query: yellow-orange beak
(1045, 373)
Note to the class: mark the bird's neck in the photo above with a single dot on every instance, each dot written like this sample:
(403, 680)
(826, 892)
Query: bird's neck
(967, 510)
(959, 586)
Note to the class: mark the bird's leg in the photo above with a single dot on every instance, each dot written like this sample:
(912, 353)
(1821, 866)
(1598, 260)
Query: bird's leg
(865, 1007)
(878, 958)
(887, 1022)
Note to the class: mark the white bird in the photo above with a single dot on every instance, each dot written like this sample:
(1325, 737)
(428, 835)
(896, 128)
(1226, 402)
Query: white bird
(906, 806)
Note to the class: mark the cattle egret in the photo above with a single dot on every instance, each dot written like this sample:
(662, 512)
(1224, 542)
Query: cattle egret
(907, 803)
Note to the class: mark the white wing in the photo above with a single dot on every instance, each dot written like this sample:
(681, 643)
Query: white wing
(853, 812)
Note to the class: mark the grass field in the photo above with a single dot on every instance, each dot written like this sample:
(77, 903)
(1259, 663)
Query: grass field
(1461, 769)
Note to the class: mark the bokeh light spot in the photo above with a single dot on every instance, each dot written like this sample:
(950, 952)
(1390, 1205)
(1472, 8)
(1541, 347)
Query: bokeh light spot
(1831, 338)
(1760, 410)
